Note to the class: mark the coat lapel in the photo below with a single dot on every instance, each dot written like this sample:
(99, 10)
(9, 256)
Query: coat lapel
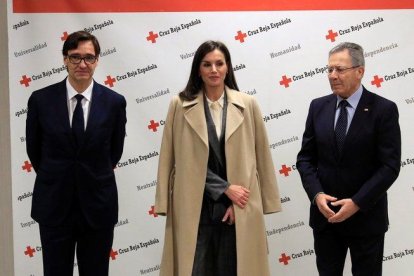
(196, 118)
(194, 114)
(235, 110)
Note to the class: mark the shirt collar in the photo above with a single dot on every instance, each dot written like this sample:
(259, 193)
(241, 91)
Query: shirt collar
(353, 100)
(220, 101)
(72, 92)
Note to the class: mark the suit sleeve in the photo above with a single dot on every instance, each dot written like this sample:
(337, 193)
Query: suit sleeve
(389, 158)
(307, 159)
(166, 163)
(265, 168)
(215, 185)
(118, 136)
(33, 133)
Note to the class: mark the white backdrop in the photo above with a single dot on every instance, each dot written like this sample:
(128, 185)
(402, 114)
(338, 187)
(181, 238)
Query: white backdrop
(267, 47)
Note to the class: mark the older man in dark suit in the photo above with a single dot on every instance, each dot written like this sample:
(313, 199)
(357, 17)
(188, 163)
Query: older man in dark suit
(350, 156)
(75, 135)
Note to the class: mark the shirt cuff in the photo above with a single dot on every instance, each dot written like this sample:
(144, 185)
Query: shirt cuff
(314, 198)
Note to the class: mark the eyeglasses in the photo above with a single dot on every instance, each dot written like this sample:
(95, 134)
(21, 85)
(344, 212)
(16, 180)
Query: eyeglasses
(76, 59)
(339, 70)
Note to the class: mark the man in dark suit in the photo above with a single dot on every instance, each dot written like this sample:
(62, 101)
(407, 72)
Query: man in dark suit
(75, 134)
(350, 156)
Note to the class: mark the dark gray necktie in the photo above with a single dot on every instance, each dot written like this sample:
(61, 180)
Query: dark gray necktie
(341, 125)
(78, 122)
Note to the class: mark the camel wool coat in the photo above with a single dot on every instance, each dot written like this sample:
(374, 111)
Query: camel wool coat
(182, 174)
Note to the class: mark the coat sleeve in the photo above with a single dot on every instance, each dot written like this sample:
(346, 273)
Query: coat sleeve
(33, 133)
(166, 163)
(265, 168)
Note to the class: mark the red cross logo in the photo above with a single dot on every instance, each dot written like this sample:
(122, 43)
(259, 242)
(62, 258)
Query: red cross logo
(152, 37)
(285, 170)
(110, 81)
(377, 81)
(151, 212)
(27, 166)
(331, 35)
(284, 259)
(29, 251)
(25, 80)
(285, 81)
(240, 36)
(153, 125)
(64, 37)
(113, 254)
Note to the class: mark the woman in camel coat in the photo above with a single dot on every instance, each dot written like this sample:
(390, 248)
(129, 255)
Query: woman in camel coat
(184, 170)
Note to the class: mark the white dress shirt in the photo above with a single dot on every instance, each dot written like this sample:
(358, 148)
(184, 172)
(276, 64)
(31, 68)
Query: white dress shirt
(216, 111)
(86, 101)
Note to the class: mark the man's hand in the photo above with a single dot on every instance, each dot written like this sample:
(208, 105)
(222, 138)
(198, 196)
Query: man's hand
(322, 201)
(229, 216)
(348, 208)
(239, 195)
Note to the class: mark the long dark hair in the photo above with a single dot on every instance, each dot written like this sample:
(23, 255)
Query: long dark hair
(195, 83)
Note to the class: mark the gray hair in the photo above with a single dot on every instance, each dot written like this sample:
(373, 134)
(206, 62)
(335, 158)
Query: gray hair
(355, 51)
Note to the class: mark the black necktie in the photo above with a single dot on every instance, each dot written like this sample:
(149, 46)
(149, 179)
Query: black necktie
(341, 125)
(78, 122)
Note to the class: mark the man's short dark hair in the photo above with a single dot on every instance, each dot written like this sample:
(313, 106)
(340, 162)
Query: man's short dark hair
(73, 40)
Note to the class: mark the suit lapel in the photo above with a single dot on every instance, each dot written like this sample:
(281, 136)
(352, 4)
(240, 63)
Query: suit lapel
(194, 115)
(214, 141)
(94, 110)
(361, 114)
(328, 121)
(62, 111)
